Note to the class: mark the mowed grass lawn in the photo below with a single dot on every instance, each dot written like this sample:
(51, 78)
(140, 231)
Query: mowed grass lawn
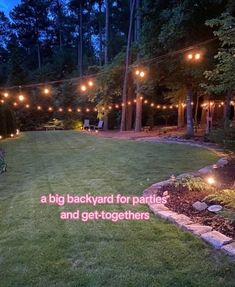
(39, 249)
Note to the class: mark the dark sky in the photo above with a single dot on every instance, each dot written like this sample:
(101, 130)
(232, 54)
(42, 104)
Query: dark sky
(7, 5)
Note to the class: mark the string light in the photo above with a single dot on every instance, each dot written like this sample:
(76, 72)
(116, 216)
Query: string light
(21, 98)
(2, 101)
(15, 104)
(46, 91)
(142, 74)
(60, 110)
(83, 88)
(137, 72)
(70, 110)
(39, 108)
(6, 95)
(90, 84)
(50, 109)
(27, 106)
(197, 56)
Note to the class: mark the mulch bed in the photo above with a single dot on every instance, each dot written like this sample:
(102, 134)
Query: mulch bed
(181, 201)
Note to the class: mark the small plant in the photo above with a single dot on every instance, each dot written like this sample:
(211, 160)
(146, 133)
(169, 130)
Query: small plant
(225, 197)
(193, 184)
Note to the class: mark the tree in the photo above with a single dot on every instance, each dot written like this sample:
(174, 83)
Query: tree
(221, 78)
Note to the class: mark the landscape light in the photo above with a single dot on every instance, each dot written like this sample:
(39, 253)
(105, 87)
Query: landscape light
(12, 135)
(21, 98)
(211, 180)
(0, 137)
(17, 131)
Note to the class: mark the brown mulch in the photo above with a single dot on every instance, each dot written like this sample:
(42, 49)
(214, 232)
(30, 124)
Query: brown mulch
(181, 201)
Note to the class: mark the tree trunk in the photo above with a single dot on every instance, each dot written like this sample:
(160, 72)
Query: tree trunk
(129, 108)
(106, 58)
(227, 109)
(100, 34)
(189, 99)
(180, 114)
(124, 91)
(138, 115)
(39, 56)
(80, 40)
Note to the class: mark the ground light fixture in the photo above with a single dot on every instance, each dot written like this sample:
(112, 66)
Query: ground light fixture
(210, 180)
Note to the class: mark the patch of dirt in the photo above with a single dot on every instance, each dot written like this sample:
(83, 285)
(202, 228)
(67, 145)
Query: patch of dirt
(181, 201)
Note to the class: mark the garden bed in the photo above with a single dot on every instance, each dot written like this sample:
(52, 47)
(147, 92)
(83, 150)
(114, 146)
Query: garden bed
(182, 198)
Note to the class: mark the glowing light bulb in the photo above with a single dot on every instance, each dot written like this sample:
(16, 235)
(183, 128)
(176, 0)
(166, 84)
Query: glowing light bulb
(152, 104)
(87, 110)
(27, 106)
(69, 110)
(39, 108)
(17, 131)
(50, 109)
(60, 110)
(190, 56)
(146, 101)
(2, 101)
(158, 106)
(142, 74)
(0, 137)
(83, 88)
(6, 95)
(21, 98)
(116, 106)
(211, 180)
(46, 91)
(12, 135)
(15, 104)
(197, 56)
(90, 84)
(137, 72)
(129, 103)
(79, 110)
(110, 108)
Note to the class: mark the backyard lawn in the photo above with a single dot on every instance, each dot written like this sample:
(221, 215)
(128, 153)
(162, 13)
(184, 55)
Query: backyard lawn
(39, 249)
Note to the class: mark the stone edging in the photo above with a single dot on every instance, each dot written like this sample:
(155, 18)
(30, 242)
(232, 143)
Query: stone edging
(214, 238)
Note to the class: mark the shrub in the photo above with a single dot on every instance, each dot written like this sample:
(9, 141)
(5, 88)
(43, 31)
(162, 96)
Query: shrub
(225, 137)
(225, 197)
(192, 184)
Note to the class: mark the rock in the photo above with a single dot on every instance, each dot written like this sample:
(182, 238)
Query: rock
(215, 208)
(165, 214)
(216, 239)
(198, 229)
(229, 249)
(206, 169)
(200, 206)
(222, 162)
(158, 207)
(180, 219)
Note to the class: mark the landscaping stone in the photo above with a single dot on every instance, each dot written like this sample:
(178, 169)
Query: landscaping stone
(222, 162)
(158, 207)
(216, 239)
(215, 208)
(165, 214)
(229, 249)
(206, 169)
(180, 219)
(198, 229)
(200, 206)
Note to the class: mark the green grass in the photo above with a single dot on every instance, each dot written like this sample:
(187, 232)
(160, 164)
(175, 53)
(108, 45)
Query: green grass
(38, 249)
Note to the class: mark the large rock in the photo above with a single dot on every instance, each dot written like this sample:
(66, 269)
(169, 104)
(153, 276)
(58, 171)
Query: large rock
(198, 229)
(229, 249)
(165, 214)
(200, 206)
(216, 239)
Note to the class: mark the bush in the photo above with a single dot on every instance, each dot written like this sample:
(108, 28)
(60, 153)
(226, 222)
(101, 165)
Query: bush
(73, 124)
(7, 121)
(225, 197)
(225, 137)
(192, 184)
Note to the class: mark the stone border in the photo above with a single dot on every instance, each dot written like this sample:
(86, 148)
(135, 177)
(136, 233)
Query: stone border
(214, 238)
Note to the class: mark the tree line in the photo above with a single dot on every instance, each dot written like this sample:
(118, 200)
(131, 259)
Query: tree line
(43, 41)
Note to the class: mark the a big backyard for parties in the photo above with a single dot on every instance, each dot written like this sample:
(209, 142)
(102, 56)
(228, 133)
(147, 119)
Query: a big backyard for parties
(39, 249)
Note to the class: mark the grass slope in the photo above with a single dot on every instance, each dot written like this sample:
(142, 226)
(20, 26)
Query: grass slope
(38, 249)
